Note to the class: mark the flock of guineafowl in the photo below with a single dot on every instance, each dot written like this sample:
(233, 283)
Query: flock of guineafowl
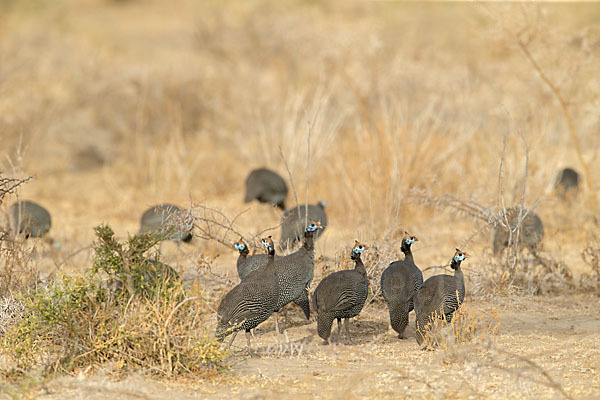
(268, 281)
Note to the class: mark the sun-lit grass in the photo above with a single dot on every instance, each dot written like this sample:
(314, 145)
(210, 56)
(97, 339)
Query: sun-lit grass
(114, 106)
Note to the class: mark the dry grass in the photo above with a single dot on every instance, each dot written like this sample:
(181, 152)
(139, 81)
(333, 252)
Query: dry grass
(114, 106)
(140, 318)
(466, 326)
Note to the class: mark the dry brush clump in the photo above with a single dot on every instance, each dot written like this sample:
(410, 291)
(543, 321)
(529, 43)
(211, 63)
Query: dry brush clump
(141, 318)
(467, 326)
(591, 256)
(523, 264)
(471, 338)
(17, 257)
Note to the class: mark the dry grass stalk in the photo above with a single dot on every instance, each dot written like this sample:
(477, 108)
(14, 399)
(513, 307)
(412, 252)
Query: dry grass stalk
(591, 256)
(523, 45)
(139, 319)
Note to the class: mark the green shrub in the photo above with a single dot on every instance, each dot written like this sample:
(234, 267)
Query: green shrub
(149, 323)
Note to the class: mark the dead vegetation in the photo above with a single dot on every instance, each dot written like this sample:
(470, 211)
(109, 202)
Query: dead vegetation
(393, 113)
(137, 318)
(591, 256)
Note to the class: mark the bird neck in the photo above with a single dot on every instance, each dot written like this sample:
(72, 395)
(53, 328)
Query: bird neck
(457, 271)
(359, 266)
(309, 241)
(244, 253)
(407, 252)
(270, 260)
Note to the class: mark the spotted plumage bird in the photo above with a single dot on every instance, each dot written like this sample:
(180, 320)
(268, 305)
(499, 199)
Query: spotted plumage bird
(341, 294)
(440, 296)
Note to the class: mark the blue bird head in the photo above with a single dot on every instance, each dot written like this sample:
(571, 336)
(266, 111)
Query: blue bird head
(240, 245)
(313, 226)
(459, 256)
(358, 248)
(267, 243)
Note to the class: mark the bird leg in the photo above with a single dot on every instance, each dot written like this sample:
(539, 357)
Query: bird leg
(232, 339)
(347, 327)
(339, 325)
(248, 335)
(276, 314)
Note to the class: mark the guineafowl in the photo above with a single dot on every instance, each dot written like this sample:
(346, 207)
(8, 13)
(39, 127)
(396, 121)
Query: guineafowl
(295, 272)
(440, 296)
(251, 302)
(154, 273)
(247, 264)
(161, 217)
(341, 295)
(531, 233)
(399, 283)
(161, 271)
(566, 184)
(266, 186)
(29, 218)
(294, 219)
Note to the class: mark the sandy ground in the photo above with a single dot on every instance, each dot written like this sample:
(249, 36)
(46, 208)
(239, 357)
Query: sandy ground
(542, 346)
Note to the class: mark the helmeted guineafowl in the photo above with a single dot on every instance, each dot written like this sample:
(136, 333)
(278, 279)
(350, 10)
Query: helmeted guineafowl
(154, 273)
(29, 218)
(266, 186)
(161, 271)
(399, 283)
(294, 219)
(531, 232)
(163, 216)
(440, 296)
(295, 273)
(566, 184)
(341, 294)
(251, 302)
(246, 263)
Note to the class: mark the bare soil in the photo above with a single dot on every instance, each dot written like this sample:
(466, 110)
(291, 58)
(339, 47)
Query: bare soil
(549, 342)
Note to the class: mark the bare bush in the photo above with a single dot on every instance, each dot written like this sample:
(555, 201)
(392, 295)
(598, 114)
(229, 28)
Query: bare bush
(466, 326)
(17, 259)
(591, 256)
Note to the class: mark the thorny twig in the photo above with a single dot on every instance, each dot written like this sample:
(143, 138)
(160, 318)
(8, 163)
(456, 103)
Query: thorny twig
(311, 125)
(514, 234)
(9, 185)
(565, 109)
(287, 167)
(205, 223)
(214, 224)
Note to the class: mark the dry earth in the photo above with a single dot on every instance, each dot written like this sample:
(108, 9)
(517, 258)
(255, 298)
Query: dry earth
(115, 106)
(560, 335)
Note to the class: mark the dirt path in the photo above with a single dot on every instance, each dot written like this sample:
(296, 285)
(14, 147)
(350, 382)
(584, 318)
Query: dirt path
(557, 336)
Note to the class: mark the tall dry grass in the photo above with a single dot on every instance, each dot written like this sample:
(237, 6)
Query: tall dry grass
(139, 103)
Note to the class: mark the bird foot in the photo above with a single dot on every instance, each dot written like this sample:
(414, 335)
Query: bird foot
(253, 354)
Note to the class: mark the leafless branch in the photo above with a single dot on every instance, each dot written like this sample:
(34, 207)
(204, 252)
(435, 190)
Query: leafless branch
(287, 167)
(565, 109)
(9, 185)
(213, 224)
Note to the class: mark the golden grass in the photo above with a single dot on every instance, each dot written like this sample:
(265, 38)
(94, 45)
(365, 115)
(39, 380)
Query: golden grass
(117, 106)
